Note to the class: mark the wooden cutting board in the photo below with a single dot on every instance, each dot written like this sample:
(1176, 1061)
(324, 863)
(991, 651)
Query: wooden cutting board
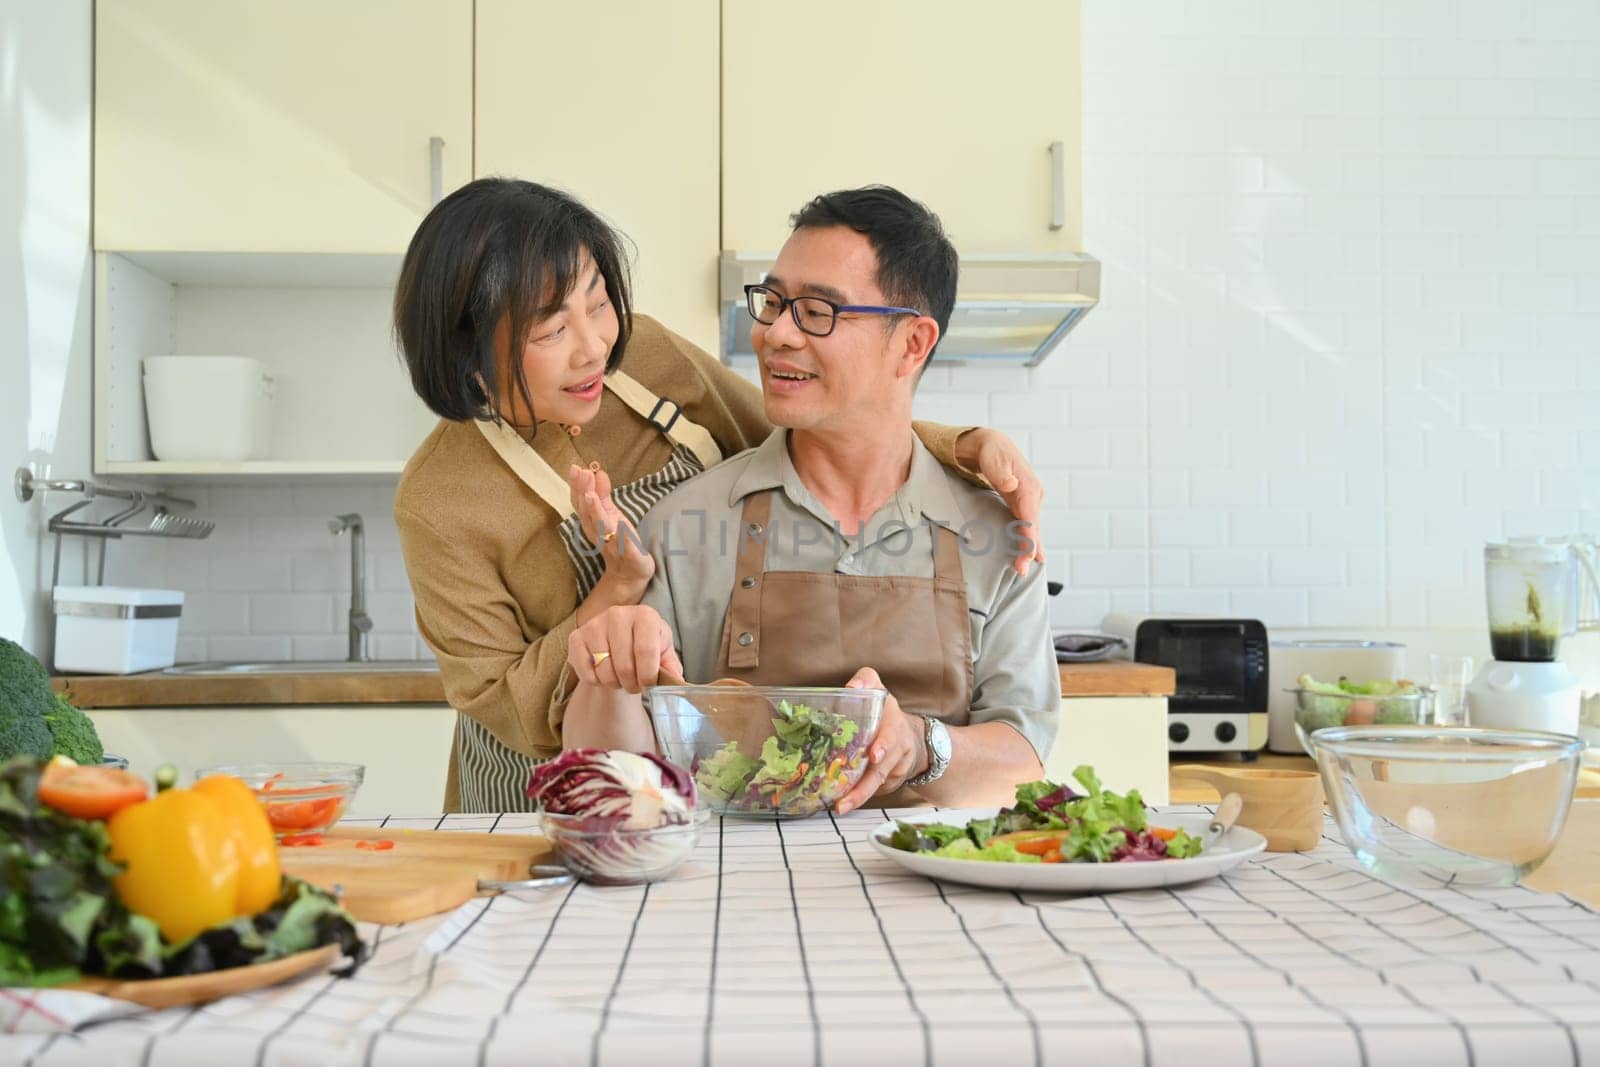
(427, 871)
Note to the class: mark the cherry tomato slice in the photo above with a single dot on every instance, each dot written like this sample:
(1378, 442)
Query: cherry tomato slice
(303, 814)
(89, 792)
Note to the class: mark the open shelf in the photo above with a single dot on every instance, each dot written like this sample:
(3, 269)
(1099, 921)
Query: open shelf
(319, 324)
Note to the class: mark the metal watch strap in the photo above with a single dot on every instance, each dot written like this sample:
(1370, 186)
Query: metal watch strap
(936, 765)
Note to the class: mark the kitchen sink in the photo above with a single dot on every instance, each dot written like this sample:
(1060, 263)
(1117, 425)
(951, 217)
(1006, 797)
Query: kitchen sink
(315, 666)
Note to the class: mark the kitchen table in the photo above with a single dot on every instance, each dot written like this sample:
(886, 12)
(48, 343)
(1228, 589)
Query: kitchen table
(797, 943)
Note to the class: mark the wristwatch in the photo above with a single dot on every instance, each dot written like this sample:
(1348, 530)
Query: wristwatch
(937, 737)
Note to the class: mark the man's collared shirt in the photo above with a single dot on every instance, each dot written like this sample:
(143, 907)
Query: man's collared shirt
(694, 535)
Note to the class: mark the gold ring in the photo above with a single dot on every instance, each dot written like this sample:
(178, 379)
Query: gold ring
(597, 658)
(610, 536)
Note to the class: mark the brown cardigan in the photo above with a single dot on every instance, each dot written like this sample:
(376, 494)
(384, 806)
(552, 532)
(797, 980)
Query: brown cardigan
(496, 594)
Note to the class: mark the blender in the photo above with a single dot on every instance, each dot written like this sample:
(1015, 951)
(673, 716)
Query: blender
(1532, 598)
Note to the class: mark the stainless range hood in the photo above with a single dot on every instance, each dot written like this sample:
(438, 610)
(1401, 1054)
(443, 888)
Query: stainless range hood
(1009, 309)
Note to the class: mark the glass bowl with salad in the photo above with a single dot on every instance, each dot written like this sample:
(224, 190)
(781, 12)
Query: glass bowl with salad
(1321, 705)
(300, 798)
(766, 752)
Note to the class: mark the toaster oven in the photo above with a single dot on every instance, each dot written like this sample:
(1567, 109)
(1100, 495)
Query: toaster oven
(1220, 703)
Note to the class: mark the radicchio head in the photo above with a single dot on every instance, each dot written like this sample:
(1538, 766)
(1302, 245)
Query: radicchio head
(614, 788)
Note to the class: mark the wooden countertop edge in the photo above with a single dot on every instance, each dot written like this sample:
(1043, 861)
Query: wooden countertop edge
(1117, 678)
(1111, 678)
(173, 691)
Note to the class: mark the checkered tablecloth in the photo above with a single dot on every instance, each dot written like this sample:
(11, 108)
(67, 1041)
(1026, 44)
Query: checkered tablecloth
(796, 943)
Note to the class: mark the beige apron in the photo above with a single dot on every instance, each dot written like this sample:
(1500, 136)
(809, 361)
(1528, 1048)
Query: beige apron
(490, 775)
(811, 628)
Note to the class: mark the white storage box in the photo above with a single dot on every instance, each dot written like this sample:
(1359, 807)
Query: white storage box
(106, 629)
(208, 408)
(1326, 660)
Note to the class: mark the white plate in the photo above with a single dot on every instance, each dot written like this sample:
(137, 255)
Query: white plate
(1236, 846)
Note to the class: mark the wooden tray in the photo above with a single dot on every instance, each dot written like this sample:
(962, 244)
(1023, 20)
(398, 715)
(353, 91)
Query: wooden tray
(204, 988)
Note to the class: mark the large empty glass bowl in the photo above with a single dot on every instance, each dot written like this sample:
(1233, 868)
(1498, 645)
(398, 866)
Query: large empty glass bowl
(1452, 805)
(766, 751)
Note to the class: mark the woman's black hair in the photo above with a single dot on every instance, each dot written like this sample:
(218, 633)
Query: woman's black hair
(496, 248)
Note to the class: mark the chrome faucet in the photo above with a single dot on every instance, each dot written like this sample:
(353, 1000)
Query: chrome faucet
(360, 621)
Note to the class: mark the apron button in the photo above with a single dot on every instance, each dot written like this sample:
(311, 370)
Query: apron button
(754, 529)
(746, 640)
(574, 431)
(747, 583)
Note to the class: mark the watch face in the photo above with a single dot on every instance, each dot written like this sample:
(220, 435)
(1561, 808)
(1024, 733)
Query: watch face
(939, 740)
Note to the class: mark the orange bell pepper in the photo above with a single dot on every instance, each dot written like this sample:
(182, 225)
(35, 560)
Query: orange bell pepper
(182, 867)
(194, 858)
(253, 839)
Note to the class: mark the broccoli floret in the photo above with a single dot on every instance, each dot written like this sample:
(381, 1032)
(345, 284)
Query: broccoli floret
(34, 719)
(24, 735)
(23, 680)
(75, 736)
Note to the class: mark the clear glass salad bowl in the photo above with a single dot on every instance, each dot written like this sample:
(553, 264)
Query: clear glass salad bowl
(599, 851)
(767, 752)
(1448, 805)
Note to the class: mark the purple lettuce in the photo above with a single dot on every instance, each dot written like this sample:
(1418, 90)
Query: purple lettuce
(1139, 846)
(614, 789)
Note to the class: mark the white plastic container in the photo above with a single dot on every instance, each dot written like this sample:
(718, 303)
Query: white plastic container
(1326, 660)
(107, 629)
(208, 408)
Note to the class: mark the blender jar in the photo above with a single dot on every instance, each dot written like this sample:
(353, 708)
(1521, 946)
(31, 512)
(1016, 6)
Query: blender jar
(1529, 588)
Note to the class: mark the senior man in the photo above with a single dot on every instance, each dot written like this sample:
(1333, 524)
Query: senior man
(839, 551)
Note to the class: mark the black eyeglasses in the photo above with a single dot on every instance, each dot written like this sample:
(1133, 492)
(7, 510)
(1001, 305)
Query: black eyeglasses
(812, 314)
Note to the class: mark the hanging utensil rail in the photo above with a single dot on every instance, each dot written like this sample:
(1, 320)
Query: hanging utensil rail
(161, 523)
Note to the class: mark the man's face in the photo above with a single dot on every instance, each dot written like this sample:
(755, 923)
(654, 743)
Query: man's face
(820, 382)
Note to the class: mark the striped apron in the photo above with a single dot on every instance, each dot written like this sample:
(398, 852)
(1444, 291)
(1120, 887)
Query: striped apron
(491, 775)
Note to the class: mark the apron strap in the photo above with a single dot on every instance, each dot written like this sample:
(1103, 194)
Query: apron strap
(947, 556)
(537, 474)
(744, 606)
(528, 465)
(667, 417)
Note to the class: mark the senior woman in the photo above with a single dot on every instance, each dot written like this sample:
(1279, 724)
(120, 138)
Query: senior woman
(562, 414)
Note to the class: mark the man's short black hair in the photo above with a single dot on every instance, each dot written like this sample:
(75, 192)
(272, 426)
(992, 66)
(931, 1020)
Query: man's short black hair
(917, 264)
(496, 248)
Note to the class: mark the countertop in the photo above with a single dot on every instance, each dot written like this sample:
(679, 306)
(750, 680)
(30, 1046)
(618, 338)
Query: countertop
(157, 690)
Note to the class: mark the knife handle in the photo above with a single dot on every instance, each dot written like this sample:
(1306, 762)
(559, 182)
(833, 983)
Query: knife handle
(1227, 814)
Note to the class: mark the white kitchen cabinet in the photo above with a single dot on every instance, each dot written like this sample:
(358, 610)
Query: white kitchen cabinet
(290, 126)
(615, 101)
(1124, 738)
(404, 747)
(953, 105)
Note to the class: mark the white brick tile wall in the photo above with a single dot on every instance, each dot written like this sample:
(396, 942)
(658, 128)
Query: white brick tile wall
(291, 613)
(1350, 330)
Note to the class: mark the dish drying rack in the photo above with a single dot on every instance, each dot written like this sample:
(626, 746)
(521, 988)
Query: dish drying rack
(161, 522)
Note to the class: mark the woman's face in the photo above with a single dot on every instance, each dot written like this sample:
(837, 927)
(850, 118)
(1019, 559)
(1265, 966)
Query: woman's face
(564, 357)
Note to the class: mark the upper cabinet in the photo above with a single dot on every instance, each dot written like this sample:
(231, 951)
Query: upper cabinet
(955, 105)
(261, 165)
(283, 126)
(615, 101)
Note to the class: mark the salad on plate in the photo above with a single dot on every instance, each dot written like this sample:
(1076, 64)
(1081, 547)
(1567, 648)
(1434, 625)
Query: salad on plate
(1051, 823)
